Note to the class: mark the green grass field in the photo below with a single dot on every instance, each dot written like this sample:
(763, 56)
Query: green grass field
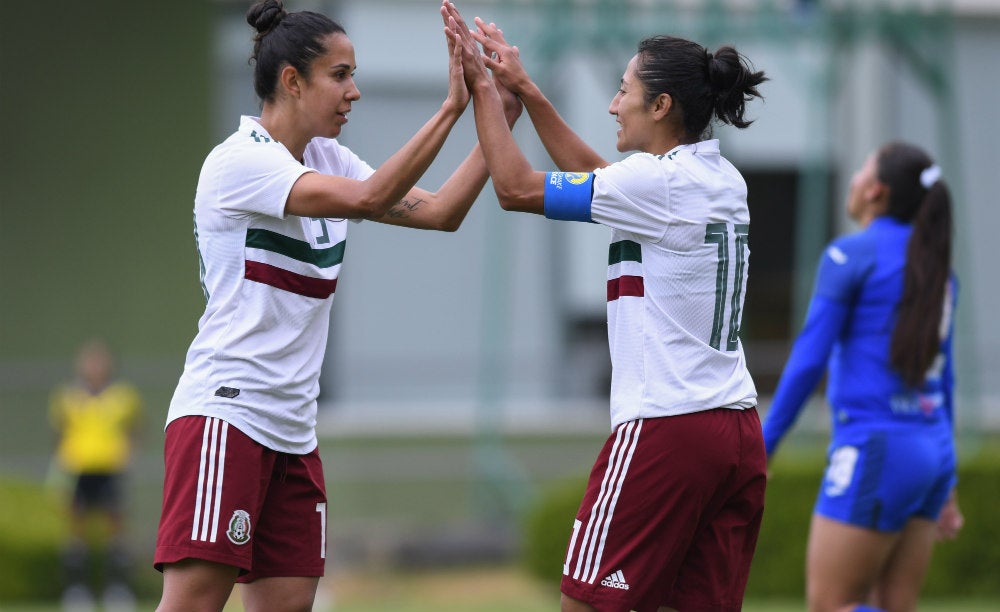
(387, 492)
(496, 589)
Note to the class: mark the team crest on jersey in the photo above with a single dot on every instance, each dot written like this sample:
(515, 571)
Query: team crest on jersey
(239, 527)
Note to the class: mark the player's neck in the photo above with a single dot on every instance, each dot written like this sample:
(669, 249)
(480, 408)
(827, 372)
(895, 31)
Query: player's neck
(281, 127)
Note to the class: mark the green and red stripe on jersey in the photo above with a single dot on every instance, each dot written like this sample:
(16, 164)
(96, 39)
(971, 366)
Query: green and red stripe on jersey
(299, 250)
(625, 285)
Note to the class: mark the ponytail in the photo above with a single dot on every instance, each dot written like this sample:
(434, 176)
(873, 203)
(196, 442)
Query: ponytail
(918, 195)
(733, 84)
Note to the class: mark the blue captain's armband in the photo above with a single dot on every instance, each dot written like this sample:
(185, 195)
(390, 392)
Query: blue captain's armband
(568, 195)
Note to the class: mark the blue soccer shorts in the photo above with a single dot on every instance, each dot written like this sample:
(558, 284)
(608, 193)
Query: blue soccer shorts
(880, 475)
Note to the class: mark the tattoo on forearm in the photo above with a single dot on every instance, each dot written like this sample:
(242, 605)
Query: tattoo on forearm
(404, 207)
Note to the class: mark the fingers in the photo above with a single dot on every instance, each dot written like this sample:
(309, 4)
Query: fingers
(492, 31)
(469, 41)
(465, 52)
(491, 38)
(463, 37)
(453, 14)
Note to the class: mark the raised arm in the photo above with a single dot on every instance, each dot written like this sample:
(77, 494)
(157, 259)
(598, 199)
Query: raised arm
(569, 152)
(321, 195)
(446, 208)
(517, 185)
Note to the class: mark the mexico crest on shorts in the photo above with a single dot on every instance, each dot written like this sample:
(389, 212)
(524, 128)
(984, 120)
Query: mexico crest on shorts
(239, 527)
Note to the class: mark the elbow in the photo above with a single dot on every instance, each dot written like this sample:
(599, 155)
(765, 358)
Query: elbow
(520, 190)
(513, 199)
(450, 225)
(507, 203)
(372, 207)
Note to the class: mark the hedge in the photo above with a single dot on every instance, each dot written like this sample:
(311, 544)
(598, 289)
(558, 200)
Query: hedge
(965, 567)
(32, 525)
(33, 531)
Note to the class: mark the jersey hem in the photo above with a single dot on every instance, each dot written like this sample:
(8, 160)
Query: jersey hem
(254, 434)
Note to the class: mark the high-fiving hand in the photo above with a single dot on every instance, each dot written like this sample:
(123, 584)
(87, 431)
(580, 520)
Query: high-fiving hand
(475, 63)
(467, 49)
(458, 92)
(502, 58)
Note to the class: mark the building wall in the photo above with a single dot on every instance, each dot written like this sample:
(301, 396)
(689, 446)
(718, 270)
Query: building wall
(401, 332)
(110, 109)
(105, 127)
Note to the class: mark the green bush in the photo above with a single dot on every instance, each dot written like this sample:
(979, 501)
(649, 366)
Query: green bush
(547, 528)
(778, 568)
(33, 531)
(964, 567)
(32, 528)
(970, 564)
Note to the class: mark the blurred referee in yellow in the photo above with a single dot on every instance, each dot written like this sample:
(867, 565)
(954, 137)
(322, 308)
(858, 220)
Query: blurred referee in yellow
(95, 417)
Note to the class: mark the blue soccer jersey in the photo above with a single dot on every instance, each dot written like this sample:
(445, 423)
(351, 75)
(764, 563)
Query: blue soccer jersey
(847, 333)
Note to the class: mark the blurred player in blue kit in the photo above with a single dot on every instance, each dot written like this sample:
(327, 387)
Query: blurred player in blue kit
(881, 324)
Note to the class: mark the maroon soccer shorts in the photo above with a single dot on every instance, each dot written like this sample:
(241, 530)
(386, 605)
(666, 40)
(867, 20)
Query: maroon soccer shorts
(671, 515)
(228, 499)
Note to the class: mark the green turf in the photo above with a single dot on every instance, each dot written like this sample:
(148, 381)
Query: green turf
(956, 605)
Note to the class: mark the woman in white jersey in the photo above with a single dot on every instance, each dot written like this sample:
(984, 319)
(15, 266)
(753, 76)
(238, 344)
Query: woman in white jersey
(673, 507)
(244, 496)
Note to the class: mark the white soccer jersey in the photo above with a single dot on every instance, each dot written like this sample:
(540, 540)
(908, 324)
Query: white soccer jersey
(269, 280)
(677, 272)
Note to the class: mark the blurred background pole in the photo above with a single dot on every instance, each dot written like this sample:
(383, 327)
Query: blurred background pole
(499, 483)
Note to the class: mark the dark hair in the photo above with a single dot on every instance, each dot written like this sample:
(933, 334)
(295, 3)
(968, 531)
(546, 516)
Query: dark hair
(702, 85)
(923, 200)
(285, 38)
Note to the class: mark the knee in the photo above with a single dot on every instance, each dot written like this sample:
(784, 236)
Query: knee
(196, 586)
(169, 603)
(280, 594)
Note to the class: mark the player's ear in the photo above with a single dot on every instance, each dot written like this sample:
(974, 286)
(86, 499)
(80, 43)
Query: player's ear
(661, 106)
(878, 195)
(877, 190)
(291, 81)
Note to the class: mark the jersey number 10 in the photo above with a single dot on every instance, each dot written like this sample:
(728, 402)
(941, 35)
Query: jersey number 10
(718, 233)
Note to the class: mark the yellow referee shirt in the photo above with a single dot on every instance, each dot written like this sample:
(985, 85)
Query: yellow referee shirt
(95, 428)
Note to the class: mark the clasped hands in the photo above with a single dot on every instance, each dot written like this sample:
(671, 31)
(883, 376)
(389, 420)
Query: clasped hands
(497, 57)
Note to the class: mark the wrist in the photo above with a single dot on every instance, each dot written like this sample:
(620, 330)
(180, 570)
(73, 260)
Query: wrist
(531, 94)
(482, 87)
(452, 109)
(512, 113)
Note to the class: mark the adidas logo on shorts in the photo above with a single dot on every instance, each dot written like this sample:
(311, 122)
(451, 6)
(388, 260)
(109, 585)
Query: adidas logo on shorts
(616, 581)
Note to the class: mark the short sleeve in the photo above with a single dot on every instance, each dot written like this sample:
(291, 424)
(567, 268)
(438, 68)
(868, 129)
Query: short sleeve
(254, 179)
(633, 196)
(355, 167)
(327, 156)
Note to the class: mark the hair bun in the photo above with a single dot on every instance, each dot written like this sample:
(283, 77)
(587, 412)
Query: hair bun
(724, 70)
(265, 16)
